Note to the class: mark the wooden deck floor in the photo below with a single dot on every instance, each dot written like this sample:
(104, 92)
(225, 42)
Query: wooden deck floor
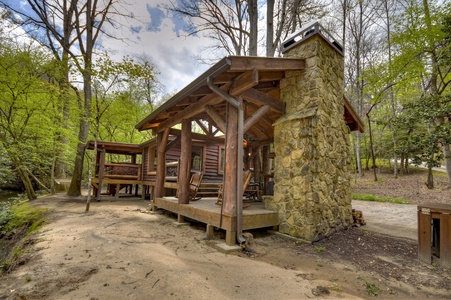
(206, 211)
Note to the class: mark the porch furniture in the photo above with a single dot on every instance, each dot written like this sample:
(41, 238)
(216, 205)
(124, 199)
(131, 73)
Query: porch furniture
(194, 184)
(246, 178)
(434, 233)
(253, 191)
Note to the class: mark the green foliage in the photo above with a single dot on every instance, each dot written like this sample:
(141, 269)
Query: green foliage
(367, 197)
(320, 249)
(372, 289)
(21, 216)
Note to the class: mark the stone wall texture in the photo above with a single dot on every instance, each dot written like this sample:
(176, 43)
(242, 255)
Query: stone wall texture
(312, 181)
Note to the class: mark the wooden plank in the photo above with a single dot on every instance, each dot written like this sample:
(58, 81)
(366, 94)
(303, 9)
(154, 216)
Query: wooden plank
(185, 163)
(424, 236)
(445, 240)
(262, 98)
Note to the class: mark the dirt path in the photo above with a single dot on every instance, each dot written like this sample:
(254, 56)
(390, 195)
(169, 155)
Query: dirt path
(118, 252)
(398, 220)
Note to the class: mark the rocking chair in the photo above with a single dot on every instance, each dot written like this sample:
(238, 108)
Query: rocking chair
(246, 178)
(194, 184)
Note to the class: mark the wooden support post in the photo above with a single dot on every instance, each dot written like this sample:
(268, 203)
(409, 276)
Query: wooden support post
(210, 232)
(153, 207)
(118, 188)
(101, 173)
(185, 163)
(230, 167)
(265, 168)
(162, 140)
(180, 218)
(230, 239)
(143, 191)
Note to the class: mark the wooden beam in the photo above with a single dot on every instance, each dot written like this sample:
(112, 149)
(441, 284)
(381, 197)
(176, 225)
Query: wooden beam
(162, 140)
(256, 116)
(259, 97)
(244, 63)
(185, 162)
(219, 122)
(202, 126)
(198, 136)
(244, 81)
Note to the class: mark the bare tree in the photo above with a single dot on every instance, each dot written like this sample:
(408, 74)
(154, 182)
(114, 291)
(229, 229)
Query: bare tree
(233, 24)
(223, 21)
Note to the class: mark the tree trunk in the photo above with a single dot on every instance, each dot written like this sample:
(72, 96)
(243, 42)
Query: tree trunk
(430, 182)
(358, 155)
(77, 176)
(253, 30)
(372, 148)
(270, 47)
(23, 174)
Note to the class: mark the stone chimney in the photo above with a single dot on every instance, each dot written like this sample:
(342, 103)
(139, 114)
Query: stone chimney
(311, 174)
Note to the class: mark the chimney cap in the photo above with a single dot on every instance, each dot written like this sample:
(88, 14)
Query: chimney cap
(308, 31)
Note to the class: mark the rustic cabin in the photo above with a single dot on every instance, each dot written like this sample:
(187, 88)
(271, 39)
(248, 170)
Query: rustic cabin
(273, 149)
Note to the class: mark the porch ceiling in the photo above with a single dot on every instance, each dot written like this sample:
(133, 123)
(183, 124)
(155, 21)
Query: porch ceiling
(255, 79)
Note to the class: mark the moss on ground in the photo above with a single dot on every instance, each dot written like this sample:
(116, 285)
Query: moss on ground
(17, 224)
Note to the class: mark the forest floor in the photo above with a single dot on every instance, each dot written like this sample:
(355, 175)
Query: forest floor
(118, 250)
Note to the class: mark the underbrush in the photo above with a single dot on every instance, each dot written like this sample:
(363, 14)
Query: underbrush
(17, 223)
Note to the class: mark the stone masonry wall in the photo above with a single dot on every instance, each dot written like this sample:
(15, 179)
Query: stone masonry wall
(312, 183)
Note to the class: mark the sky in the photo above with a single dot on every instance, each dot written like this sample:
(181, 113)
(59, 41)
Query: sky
(162, 37)
(156, 33)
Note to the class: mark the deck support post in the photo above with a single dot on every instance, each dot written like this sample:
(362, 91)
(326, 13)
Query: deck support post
(118, 188)
(180, 218)
(162, 140)
(185, 163)
(210, 232)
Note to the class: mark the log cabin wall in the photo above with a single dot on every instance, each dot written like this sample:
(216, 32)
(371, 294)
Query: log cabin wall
(210, 160)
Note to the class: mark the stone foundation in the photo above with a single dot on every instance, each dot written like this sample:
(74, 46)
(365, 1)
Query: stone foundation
(311, 175)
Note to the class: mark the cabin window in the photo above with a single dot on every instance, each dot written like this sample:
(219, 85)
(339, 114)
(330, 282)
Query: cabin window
(221, 160)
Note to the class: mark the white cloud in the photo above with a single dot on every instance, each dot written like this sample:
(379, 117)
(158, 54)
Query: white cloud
(173, 55)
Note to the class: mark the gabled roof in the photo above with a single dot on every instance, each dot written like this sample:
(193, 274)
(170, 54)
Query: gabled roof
(255, 79)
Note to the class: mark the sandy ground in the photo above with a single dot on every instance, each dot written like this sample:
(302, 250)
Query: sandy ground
(117, 251)
(398, 220)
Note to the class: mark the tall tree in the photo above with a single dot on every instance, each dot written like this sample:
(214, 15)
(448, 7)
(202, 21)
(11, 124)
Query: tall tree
(26, 114)
(421, 43)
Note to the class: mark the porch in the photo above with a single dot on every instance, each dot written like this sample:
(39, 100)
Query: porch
(206, 211)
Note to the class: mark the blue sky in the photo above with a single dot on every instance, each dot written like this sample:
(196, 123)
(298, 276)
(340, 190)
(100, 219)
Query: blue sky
(162, 37)
(157, 34)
